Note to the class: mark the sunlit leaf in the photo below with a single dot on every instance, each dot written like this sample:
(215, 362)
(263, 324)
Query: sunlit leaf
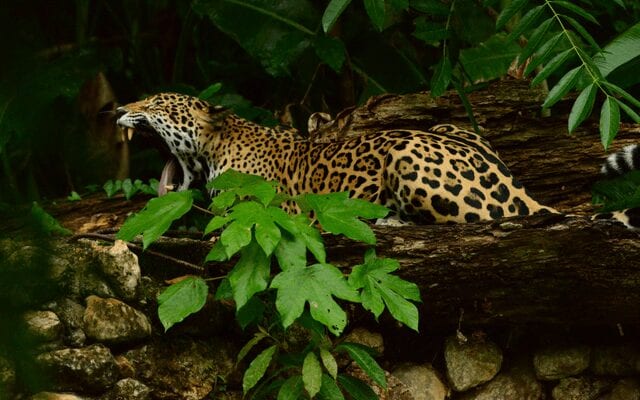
(361, 356)
(332, 13)
(257, 368)
(311, 374)
(181, 299)
(619, 51)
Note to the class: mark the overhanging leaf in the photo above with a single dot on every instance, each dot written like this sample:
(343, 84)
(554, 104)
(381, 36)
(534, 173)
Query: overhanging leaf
(564, 85)
(509, 11)
(489, 60)
(441, 77)
(619, 51)
(554, 64)
(609, 121)
(527, 21)
(257, 368)
(576, 9)
(544, 53)
(331, 51)
(582, 107)
(376, 11)
(332, 13)
(361, 356)
(250, 275)
(181, 299)
(629, 111)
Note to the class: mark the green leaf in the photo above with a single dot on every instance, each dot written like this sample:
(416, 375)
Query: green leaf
(216, 222)
(554, 64)
(45, 222)
(618, 193)
(339, 214)
(315, 285)
(329, 362)
(441, 77)
(535, 40)
(251, 313)
(128, 188)
(329, 389)
(376, 11)
(527, 21)
(311, 238)
(311, 374)
(257, 338)
(564, 85)
(291, 252)
(224, 292)
(509, 11)
(331, 51)
(292, 389)
(111, 187)
(489, 60)
(210, 91)
(625, 95)
(250, 275)
(430, 31)
(609, 121)
(181, 299)
(332, 13)
(235, 236)
(361, 356)
(583, 32)
(241, 185)
(577, 10)
(356, 388)
(217, 252)
(156, 217)
(544, 53)
(582, 107)
(257, 368)
(380, 288)
(74, 196)
(629, 111)
(619, 51)
(430, 7)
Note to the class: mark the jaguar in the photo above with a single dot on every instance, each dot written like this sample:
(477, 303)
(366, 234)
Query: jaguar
(442, 174)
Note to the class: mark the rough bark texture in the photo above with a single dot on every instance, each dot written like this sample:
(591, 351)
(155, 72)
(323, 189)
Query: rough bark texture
(550, 269)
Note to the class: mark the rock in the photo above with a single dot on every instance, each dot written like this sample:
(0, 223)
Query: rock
(367, 338)
(517, 383)
(120, 267)
(472, 363)
(92, 368)
(624, 389)
(128, 389)
(112, 321)
(396, 390)
(55, 396)
(43, 326)
(422, 380)
(582, 388)
(71, 314)
(7, 379)
(554, 363)
(183, 369)
(614, 360)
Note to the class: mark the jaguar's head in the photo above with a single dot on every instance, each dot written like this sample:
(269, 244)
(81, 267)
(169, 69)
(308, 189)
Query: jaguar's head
(178, 121)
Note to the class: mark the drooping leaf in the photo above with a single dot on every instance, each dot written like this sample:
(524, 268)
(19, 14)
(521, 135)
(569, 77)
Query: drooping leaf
(315, 285)
(544, 53)
(625, 95)
(441, 77)
(583, 32)
(527, 21)
(250, 275)
(331, 51)
(257, 368)
(552, 65)
(619, 51)
(311, 374)
(489, 60)
(629, 111)
(257, 338)
(216, 222)
(536, 39)
(609, 121)
(252, 313)
(360, 354)
(45, 222)
(582, 107)
(356, 388)
(292, 389)
(329, 362)
(210, 91)
(576, 9)
(509, 11)
(332, 13)
(329, 389)
(235, 236)
(376, 11)
(156, 217)
(111, 187)
(181, 299)
(564, 85)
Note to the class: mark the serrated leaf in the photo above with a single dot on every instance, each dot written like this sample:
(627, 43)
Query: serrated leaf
(564, 85)
(527, 21)
(629, 111)
(380, 288)
(329, 362)
(544, 53)
(156, 217)
(441, 77)
(536, 39)
(311, 374)
(315, 285)
(490, 59)
(583, 32)
(621, 50)
(331, 51)
(250, 275)
(376, 11)
(332, 13)
(509, 11)
(329, 389)
(210, 91)
(576, 9)
(361, 356)
(292, 389)
(257, 368)
(582, 107)
(181, 299)
(356, 388)
(257, 338)
(554, 64)
(430, 31)
(609, 121)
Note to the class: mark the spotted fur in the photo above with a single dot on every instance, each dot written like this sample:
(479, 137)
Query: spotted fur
(438, 175)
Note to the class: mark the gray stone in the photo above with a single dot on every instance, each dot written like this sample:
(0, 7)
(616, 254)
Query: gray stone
(182, 369)
(518, 383)
(366, 338)
(472, 363)
(423, 381)
(128, 389)
(56, 396)
(554, 363)
(7, 379)
(44, 326)
(582, 388)
(624, 389)
(92, 368)
(120, 266)
(112, 321)
(614, 360)
(71, 315)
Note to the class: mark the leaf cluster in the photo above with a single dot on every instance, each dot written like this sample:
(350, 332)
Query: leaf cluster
(129, 188)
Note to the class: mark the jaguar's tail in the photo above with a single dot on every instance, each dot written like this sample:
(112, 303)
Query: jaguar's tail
(625, 160)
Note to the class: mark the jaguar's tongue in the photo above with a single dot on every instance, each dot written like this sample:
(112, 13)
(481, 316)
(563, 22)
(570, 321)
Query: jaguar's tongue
(166, 179)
